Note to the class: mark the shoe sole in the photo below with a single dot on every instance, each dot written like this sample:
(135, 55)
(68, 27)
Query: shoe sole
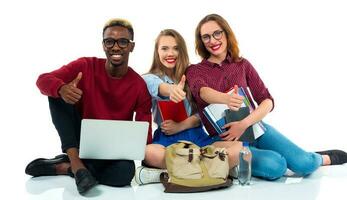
(137, 175)
(88, 187)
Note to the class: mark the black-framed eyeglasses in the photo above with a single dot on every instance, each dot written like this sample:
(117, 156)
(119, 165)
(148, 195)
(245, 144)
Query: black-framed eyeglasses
(121, 42)
(206, 38)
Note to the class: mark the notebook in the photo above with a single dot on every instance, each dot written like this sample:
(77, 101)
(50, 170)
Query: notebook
(171, 110)
(113, 139)
(215, 113)
(233, 116)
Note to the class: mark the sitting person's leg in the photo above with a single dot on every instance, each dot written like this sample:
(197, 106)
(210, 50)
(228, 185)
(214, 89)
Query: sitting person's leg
(67, 121)
(155, 153)
(154, 163)
(267, 164)
(299, 161)
(155, 156)
(115, 173)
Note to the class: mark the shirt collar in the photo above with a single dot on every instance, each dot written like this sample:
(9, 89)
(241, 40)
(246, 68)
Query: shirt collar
(228, 59)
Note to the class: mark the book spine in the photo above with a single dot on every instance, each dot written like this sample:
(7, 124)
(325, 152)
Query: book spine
(245, 100)
(258, 128)
(212, 120)
(161, 114)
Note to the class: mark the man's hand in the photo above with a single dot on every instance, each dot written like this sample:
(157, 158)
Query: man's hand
(177, 93)
(69, 92)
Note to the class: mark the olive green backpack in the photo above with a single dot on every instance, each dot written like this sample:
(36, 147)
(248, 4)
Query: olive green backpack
(194, 169)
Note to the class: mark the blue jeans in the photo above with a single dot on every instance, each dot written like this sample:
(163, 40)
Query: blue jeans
(273, 153)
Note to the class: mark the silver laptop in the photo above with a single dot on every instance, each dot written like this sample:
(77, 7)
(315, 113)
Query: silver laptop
(113, 139)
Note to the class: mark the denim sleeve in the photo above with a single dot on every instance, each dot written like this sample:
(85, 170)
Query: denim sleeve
(153, 83)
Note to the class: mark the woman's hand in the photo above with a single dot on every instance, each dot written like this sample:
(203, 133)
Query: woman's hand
(234, 101)
(177, 93)
(234, 132)
(212, 96)
(170, 127)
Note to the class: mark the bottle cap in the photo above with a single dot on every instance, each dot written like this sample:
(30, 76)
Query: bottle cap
(245, 144)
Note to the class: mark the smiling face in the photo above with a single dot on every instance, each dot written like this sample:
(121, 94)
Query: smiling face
(118, 54)
(216, 45)
(168, 51)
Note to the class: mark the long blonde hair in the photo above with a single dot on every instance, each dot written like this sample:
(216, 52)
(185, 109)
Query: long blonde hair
(182, 63)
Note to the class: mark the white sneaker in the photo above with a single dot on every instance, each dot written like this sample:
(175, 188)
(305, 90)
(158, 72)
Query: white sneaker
(145, 175)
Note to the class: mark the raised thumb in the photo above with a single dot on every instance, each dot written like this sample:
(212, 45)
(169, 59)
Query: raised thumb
(236, 89)
(77, 79)
(182, 81)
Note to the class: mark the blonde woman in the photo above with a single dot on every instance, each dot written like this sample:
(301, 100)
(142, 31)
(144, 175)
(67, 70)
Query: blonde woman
(166, 80)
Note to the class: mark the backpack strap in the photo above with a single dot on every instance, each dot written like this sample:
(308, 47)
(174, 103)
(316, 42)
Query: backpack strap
(190, 156)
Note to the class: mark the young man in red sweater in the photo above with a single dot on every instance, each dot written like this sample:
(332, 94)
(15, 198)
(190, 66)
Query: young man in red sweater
(94, 88)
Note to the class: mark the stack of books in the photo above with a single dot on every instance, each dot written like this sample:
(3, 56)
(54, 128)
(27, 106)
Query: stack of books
(220, 114)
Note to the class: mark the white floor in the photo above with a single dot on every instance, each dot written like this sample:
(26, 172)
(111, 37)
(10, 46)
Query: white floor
(326, 183)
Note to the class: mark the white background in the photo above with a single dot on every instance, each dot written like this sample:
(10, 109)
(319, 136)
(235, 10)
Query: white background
(298, 48)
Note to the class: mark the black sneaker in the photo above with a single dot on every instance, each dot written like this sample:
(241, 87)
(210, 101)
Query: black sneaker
(44, 166)
(337, 157)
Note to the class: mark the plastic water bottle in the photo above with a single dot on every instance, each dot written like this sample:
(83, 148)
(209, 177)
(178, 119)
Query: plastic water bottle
(245, 165)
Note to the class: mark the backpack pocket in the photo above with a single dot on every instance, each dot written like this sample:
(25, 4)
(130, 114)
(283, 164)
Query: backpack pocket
(216, 162)
(187, 164)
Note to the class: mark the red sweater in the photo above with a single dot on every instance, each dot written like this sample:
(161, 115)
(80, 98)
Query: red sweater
(103, 97)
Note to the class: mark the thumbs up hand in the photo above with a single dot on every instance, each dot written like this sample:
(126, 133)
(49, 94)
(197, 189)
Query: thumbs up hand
(69, 92)
(77, 79)
(177, 93)
(182, 82)
(234, 101)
